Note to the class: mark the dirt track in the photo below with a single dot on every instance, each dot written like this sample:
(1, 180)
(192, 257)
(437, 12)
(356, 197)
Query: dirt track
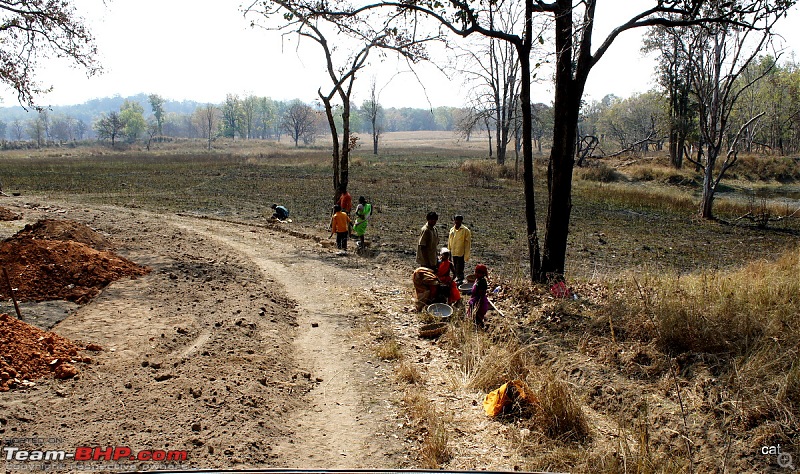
(245, 347)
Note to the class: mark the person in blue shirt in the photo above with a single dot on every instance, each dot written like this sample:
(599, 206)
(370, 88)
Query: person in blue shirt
(280, 212)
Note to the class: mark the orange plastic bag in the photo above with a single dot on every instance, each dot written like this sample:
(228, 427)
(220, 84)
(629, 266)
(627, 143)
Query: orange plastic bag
(496, 401)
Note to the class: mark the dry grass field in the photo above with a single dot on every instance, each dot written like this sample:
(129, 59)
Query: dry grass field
(679, 352)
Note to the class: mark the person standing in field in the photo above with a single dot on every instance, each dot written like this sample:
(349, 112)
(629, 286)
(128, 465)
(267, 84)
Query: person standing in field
(345, 200)
(479, 302)
(340, 223)
(428, 242)
(459, 241)
(363, 211)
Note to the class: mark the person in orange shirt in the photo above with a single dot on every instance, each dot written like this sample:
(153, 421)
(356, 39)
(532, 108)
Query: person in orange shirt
(345, 200)
(340, 225)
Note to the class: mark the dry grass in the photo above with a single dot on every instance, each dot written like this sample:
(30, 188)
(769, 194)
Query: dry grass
(388, 347)
(638, 197)
(408, 373)
(485, 173)
(749, 317)
(559, 415)
(431, 425)
(486, 361)
(599, 172)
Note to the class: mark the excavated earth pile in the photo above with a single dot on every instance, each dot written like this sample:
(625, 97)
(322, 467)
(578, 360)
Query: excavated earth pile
(51, 260)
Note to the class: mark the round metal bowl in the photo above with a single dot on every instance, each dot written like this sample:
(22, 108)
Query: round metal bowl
(465, 288)
(432, 331)
(440, 310)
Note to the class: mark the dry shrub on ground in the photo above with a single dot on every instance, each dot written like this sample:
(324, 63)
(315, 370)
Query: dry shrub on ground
(485, 172)
(408, 373)
(767, 168)
(430, 424)
(599, 172)
(484, 363)
(559, 415)
(660, 173)
(624, 196)
(750, 317)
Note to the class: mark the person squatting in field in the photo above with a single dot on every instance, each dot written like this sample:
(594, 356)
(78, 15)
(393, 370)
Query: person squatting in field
(444, 272)
(425, 284)
(280, 212)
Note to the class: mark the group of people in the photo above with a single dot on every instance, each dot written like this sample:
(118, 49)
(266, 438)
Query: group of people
(341, 223)
(441, 271)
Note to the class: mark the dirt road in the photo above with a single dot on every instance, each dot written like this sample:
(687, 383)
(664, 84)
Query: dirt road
(244, 347)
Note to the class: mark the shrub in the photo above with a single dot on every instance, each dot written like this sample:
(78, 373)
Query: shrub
(751, 316)
(766, 168)
(485, 172)
(434, 450)
(560, 415)
(600, 173)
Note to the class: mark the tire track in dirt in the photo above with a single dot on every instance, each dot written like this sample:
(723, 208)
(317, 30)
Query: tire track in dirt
(350, 419)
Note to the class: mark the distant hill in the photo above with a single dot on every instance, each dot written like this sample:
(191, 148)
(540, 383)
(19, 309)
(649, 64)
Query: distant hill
(90, 110)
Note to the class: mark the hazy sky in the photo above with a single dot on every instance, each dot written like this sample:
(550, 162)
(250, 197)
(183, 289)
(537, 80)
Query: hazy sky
(203, 49)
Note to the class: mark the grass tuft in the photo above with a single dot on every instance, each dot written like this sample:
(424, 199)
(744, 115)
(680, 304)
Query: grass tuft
(388, 347)
(409, 373)
(430, 423)
(560, 416)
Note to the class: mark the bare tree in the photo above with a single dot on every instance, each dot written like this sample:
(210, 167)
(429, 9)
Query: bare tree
(206, 120)
(723, 53)
(493, 66)
(299, 121)
(308, 21)
(466, 122)
(17, 130)
(38, 29)
(374, 114)
(36, 130)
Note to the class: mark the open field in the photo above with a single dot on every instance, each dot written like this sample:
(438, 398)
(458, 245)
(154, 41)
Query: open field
(678, 354)
(615, 226)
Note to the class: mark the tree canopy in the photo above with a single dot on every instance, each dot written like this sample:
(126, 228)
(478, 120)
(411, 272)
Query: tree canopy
(32, 30)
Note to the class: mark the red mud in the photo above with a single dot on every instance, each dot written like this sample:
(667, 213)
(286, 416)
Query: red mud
(52, 260)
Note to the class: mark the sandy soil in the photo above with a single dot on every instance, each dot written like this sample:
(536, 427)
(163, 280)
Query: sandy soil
(245, 346)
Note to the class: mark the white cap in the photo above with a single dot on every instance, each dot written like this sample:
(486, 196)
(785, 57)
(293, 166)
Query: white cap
(444, 251)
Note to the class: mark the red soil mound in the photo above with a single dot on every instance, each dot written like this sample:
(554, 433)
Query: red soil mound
(29, 353)
(52, 229)
(42, 266)
(8, 215)
(46, 261)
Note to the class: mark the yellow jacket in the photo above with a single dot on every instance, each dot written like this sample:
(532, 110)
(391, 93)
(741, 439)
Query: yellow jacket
(459, 242)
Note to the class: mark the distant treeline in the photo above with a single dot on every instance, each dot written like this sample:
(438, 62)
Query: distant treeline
(241, 117)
